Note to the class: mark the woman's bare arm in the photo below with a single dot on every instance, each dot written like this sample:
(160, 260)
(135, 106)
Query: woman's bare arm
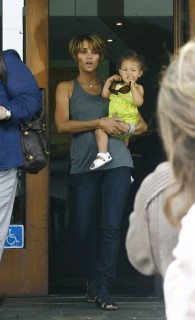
(141, 126)
(65, 125)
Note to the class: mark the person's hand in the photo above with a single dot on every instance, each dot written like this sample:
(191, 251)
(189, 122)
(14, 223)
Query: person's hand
(113, 78)
(114, 125)
(2, 113)
(133, 83)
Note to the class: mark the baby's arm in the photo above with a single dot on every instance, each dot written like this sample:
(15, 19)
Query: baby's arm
(105, 90)
(137, 94)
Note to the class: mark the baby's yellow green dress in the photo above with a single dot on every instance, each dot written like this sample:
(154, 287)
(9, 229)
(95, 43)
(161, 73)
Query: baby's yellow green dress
(122, 106)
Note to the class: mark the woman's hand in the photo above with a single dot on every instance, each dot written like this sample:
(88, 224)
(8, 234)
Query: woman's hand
(114, 125)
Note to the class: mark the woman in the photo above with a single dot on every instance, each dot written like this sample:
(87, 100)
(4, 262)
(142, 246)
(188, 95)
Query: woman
(80, 110)
(19, 100)
(176, 109)
(151, 253)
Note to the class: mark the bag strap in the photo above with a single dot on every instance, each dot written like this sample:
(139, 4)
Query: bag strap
(3, 74)
(43, 102)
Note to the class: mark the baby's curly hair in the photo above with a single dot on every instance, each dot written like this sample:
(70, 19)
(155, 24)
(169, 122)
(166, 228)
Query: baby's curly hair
(134, 56)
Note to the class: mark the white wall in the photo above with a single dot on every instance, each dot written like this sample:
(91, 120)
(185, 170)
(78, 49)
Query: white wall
(12, 26)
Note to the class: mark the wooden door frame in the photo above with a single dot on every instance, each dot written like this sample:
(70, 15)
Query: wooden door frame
(178, 23)
(191, 18)
(25, 271)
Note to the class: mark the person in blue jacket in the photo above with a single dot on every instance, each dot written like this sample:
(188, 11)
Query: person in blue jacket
(19, 100)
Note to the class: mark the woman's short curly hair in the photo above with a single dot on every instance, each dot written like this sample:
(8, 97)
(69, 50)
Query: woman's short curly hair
(94, 40)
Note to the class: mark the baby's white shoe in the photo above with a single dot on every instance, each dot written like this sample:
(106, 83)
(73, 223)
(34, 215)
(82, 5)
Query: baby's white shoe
(101, 160)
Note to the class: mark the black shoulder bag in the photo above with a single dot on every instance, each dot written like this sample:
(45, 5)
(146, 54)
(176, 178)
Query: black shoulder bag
(34, 142)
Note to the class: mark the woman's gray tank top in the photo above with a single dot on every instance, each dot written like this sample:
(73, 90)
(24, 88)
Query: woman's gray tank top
(84, 106)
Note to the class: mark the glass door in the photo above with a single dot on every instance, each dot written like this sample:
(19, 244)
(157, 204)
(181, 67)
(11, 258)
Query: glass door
(145, 26)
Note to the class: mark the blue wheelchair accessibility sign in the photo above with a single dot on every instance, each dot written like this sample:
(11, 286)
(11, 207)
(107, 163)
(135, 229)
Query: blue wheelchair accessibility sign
(15, 237)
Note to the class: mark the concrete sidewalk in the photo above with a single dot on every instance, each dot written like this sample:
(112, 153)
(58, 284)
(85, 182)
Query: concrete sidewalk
(75, 308)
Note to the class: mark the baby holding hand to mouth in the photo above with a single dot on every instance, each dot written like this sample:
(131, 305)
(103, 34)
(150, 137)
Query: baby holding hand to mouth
(125, 97)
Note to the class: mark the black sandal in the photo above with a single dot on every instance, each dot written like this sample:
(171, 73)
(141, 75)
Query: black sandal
(91, 294)
(105, 302)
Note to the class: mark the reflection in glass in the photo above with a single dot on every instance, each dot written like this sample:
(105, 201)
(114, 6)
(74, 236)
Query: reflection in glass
(143, 27)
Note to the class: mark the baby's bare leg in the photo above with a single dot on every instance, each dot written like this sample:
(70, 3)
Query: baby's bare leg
(103, 155)
(102, 140)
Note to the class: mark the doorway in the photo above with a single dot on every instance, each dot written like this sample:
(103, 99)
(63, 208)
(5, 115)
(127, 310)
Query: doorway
(147, 27)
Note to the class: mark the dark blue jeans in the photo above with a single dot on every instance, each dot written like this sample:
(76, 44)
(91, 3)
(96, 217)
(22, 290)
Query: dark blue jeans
(88, 190)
